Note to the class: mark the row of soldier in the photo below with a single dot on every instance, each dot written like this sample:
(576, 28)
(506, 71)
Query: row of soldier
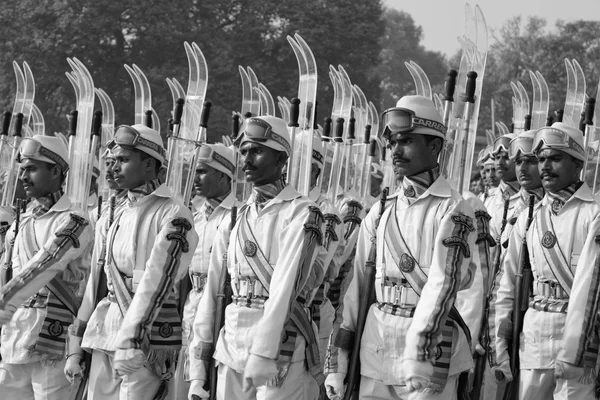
(308, 286)
(283, 253)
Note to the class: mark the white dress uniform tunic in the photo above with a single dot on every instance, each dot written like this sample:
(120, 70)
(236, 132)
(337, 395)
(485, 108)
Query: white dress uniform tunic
(284, 228)
(52, 241)
(438, 227)
(149, 245)
(207, 220)
(570, 228)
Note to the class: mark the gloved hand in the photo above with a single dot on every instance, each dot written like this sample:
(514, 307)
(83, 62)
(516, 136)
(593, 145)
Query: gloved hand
(334, 386)
(502, 371)
(565, 370)
(258, 371)
(127, 361)
(6, 315)
(417, 374)
(479, 349)
(74, 368)
(197, 390)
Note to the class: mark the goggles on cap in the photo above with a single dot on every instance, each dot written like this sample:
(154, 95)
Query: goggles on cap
(520, 146)
(258, 130)
(483, 155)
(501, 143)
(208, 154)
(30, 148)
(556, 139)
(398, 120)
(128, 136)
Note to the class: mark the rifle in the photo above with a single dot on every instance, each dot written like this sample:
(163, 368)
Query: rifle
(8, 268)
(523, 289)
(353, 377)
(480, 359)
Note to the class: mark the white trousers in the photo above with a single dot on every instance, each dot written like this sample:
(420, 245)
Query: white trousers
(104, 384)
(540, 384)
(298, 385)
(373, 389)
(35, 381)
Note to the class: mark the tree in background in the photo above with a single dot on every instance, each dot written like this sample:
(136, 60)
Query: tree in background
(105, 34)
(525, 44)
(401, 41)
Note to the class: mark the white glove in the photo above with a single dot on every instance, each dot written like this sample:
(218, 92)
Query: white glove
(128, 361)
(6, 316)
(417, 374)
(258, 371)
(334, 385)
(502, 371)
(74, 368)
(197, 390)
(565, 370)
(479, 350)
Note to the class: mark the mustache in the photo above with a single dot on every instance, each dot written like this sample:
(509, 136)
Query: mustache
(548, 175)
(399, 159)
(248, 167)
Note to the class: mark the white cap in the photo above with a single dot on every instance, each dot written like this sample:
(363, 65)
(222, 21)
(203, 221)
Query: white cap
(278, 140)
(152, 142)
(424, 109)
(219, 157)
(50, 149)
(575, 146)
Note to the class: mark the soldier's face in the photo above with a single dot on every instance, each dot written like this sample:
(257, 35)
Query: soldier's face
(129, 170)
(261, 164)
(39, 178)
(505, 167)
(526, 168)
(489, 176)
(208, 181)
(557, 169)
(109, 163)
(412, 154)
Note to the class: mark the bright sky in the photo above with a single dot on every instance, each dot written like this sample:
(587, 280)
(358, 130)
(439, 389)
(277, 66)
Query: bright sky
(443, 20)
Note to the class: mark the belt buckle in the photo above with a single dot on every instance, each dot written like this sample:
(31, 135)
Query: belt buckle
(552, 290)
(250, 293)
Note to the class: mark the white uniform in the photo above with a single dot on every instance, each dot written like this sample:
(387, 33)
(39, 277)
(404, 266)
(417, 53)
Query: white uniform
(52, 246)
(258, 320)
(395, 333)
(149, 245)
(206, 224)
(572, 231)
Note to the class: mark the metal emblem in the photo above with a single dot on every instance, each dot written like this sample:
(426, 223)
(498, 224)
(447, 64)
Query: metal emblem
(505, 195)
(549, 240)
(556, 206)
(250, 248)
(165, 330)
(407, 263)
(55, 329)
(409, 192)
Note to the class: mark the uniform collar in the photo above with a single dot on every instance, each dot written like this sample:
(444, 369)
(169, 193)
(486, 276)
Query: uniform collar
(511, 188)
(54, 202)
(288, 193)
(537, 192)
(416, 185)
(439, 188)
(152, 187)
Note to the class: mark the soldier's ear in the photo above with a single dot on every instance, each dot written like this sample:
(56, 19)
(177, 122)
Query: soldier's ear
(281, 159)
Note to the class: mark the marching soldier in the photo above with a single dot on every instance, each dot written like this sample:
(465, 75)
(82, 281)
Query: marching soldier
(41, 300)
(415, 343)
(214, 173)
(562, 250)
(268, 347)
(323, 311)
(528, 176)
(134, 333)
(490, 179)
